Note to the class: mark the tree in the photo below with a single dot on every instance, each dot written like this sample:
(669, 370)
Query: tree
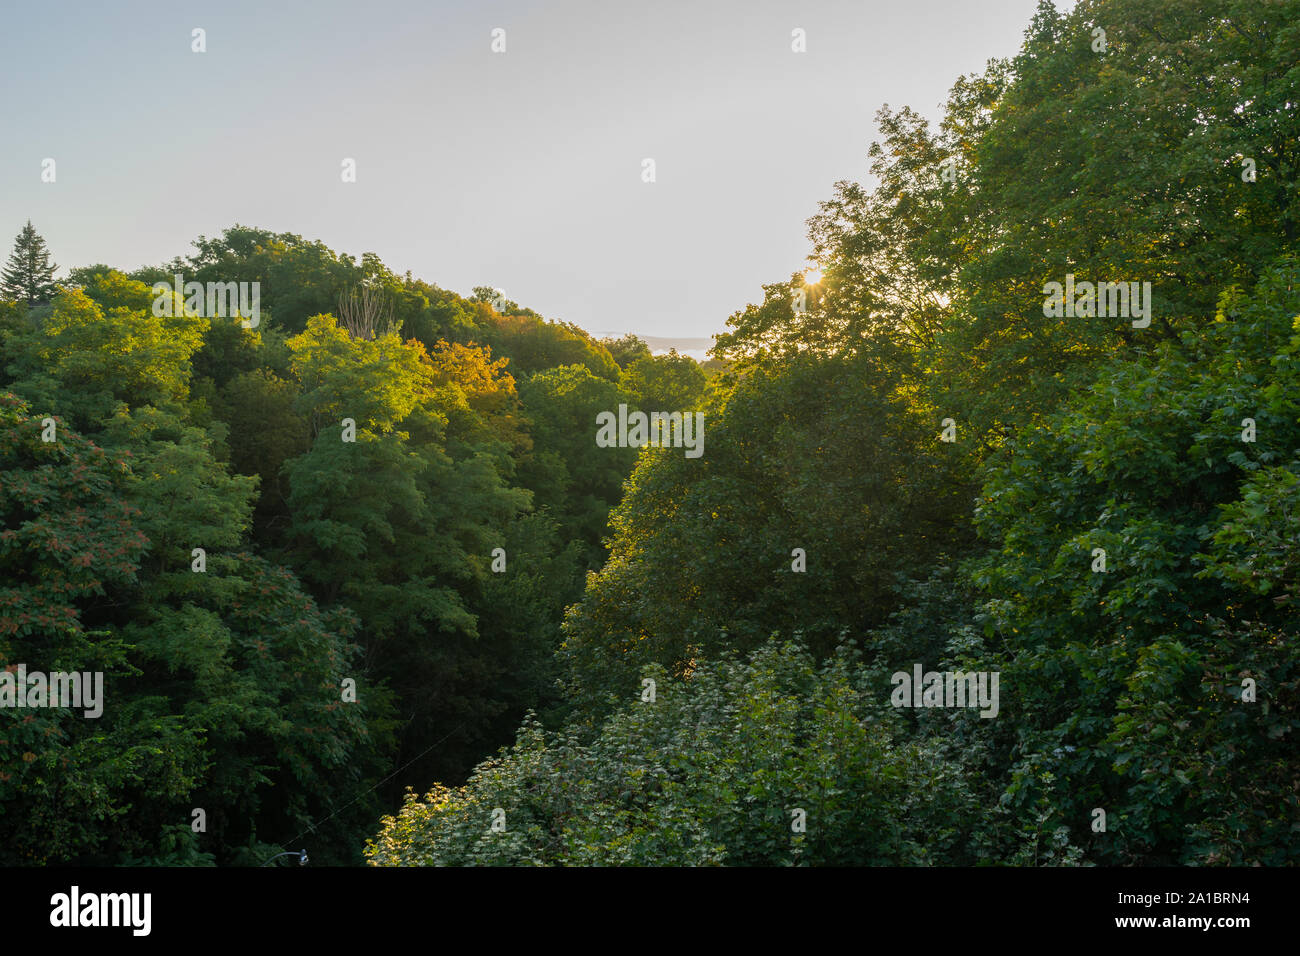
(400, 524)
(1136, 538)
(366, 311)
(533, 345)
(86, 360)
(221, 690)
(816, 454)
(29, 274)
(706, 773)
(569, 474)
(669, 382)
(626, 349)
(68, 545)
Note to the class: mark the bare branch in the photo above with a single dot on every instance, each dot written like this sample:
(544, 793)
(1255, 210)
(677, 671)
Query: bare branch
(366, 311)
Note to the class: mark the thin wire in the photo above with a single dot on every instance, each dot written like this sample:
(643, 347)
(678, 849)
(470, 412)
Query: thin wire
(312, 829)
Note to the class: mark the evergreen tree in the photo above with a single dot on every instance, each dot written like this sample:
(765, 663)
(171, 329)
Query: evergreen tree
(29, 274)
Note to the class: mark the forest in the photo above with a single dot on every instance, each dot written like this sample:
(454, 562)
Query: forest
(362, 576)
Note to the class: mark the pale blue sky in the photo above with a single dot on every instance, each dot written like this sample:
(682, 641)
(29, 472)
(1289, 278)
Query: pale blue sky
(519, 170)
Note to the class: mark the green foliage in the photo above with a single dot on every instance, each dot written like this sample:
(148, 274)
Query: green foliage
(703, 551)
(87, 361)
(626, 349)
(669, 382)
(218, 688)
(532, 344)
(1121, 674)
(569, 474)
(707, 773)
(904, 462)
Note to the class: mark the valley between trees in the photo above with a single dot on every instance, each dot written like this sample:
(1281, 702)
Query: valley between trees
(360, 578)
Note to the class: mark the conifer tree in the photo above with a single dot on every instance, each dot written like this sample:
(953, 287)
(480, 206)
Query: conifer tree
(29, 274)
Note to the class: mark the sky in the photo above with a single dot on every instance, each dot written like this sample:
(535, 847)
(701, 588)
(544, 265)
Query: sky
(521, 170)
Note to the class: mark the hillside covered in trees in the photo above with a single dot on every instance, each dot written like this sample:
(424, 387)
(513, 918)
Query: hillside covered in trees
(423, 550)
(361, 577)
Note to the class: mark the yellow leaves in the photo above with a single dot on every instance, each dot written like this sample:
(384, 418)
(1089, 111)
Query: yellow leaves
(112, 289)
(472, 368)
(135, 353)
(378, 382)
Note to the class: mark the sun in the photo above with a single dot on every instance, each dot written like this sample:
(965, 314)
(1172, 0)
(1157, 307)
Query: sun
(812, 276)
